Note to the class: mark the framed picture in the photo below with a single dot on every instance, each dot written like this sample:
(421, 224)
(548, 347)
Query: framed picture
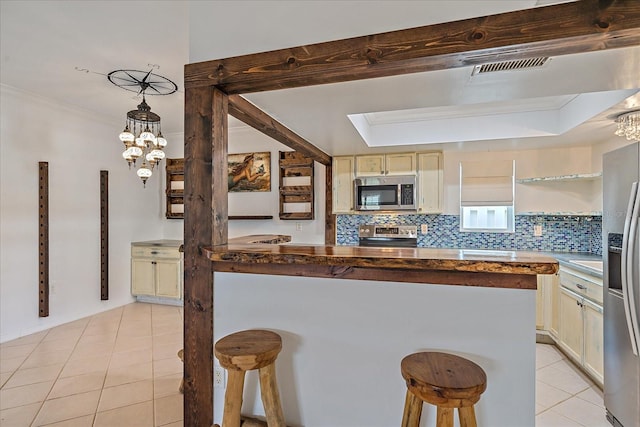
(249, 172)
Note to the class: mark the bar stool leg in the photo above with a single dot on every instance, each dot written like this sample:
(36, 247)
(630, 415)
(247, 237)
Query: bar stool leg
(270, 396)
(412, 410)
(467, 416)
(233, 399)
(444, 417)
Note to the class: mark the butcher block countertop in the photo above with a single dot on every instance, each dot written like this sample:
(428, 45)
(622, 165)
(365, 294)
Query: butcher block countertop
(503, 269)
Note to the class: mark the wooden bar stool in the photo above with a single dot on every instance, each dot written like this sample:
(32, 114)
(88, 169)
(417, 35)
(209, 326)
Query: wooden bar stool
(244, 351)
(444, 380)
(181, 356)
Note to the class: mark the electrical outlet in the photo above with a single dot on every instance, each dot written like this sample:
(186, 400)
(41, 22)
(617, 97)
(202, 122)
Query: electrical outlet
(218, 377)
(424, 228)
(537, 230)
(298, 226)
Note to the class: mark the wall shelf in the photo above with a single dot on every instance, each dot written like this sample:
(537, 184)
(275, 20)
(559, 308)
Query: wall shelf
(560, 178)
(175, 188)
(296, 186)
(570, 214)
(250, 217)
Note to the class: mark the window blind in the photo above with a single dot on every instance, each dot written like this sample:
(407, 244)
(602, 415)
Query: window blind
(486, 183)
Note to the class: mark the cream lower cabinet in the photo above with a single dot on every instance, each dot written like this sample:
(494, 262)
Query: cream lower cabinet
(156, 271)
(572, 332)
(553, 302)
(547, 303)
(593, 340)
(581, 324)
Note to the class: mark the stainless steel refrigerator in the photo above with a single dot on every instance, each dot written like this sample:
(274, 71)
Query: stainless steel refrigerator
(621, 256)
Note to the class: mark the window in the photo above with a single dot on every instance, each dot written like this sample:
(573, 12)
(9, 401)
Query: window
(487, 196)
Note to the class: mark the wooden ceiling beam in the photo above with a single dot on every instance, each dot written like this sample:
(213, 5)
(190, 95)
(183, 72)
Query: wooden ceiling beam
(567, 28)
(248, 113)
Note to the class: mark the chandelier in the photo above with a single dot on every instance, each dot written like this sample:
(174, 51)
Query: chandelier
(629, 125)
(142, 134)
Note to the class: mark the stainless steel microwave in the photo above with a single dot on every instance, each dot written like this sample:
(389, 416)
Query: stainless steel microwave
(385, 193)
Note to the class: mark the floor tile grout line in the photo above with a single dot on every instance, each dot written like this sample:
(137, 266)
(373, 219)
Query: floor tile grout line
(104, 380)
(61, 370)
(58, 376)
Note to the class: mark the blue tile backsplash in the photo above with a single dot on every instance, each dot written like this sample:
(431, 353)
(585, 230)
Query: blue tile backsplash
(559, 233)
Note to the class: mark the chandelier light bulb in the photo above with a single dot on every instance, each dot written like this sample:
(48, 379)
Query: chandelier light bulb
(148, 136)
(126, 135)
(162, 142)
(157, 154)
(144, 173)
(629, 125)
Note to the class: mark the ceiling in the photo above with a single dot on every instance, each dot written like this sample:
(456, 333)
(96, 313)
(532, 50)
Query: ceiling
(63, 50)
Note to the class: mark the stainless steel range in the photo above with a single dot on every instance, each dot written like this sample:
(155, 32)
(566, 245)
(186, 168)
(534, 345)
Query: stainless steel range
(397, 236)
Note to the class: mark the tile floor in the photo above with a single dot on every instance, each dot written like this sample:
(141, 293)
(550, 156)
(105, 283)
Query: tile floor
(120, 368)
(565, 397)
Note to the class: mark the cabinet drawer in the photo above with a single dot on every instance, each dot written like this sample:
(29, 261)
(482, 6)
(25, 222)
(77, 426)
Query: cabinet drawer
(581, 285)
(155, 252)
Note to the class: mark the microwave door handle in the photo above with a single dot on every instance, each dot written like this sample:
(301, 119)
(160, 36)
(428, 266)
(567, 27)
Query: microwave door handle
(631, 286)
(627, 267)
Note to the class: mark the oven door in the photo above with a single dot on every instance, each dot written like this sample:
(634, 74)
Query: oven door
(388, 242)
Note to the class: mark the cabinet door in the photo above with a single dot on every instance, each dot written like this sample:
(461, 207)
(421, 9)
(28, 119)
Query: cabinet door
(142, 280)
(342, 184)
(168, 278)
(571, 332)
(372, 165)
(593, 344)
(400, 164)
(430, 183)
(554, 303)
(540, 302)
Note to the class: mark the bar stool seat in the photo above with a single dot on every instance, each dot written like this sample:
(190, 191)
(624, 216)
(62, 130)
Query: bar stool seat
(444, 380)
(244, 351)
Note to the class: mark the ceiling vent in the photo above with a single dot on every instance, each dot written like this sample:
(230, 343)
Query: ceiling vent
(520, 64)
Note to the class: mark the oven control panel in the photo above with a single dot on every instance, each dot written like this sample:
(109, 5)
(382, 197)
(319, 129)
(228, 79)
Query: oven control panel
(388, 231)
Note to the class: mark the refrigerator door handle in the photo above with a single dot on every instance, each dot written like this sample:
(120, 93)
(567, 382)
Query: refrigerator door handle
(633, 232)
(627, 269)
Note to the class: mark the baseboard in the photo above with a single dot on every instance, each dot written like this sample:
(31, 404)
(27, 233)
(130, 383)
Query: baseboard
(159, 300)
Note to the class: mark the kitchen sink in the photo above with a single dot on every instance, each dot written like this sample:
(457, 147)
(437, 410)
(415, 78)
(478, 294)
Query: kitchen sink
(596, 265)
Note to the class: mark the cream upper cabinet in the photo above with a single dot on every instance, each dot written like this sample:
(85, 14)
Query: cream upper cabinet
(343, 175)
(386, 164)
(430, 183)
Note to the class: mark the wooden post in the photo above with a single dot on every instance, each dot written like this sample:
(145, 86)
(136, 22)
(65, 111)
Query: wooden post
(205, 223)
(329, 217)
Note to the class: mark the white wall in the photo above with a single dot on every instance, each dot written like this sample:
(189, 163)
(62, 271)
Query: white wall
(245, 139)
(77, 146)
(561, 196)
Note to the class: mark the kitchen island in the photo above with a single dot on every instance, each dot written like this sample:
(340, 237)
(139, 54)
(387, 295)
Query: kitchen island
(348, 315)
